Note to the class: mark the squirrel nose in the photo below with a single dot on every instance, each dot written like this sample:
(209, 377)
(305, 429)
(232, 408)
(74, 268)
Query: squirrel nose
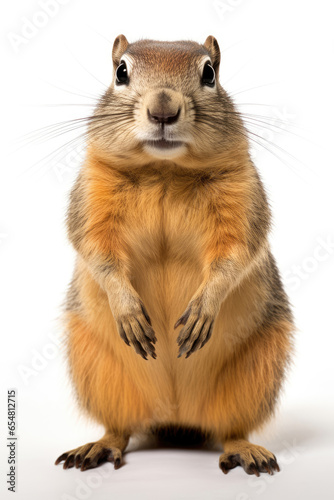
(167, 117)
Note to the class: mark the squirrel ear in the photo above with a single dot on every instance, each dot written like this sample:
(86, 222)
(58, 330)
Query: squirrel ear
(212, 46)
(119, 47)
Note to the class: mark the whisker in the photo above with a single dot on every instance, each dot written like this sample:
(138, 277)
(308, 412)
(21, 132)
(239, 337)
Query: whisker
(255, 138)
(97, 127)
(235, 74)
(270, 126)
(253, 115)
(42, 162)
(86, 96)
(87, 71)
(63, 126)
(242, 91)
(54, 105)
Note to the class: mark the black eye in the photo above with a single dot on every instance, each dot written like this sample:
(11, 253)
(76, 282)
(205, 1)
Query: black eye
(208, 76)
(122, 74)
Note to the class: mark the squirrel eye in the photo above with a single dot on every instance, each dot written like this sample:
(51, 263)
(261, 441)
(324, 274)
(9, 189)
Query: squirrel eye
(122, 74)
(208, 76)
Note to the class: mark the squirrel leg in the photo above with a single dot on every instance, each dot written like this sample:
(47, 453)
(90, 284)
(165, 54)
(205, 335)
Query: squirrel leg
(251, 457)
(246, 397)
(91, 455)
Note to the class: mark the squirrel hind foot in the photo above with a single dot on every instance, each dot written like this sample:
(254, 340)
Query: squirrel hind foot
(251, 457)
(108, 449)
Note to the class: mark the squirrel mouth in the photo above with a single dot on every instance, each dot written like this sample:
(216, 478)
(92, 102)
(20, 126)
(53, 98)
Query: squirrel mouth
(164, 144)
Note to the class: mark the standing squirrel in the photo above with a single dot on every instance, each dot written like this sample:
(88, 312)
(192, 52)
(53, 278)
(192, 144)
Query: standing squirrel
(176, 317)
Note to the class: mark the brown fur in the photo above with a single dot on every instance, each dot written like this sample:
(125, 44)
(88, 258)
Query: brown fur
(162, 239)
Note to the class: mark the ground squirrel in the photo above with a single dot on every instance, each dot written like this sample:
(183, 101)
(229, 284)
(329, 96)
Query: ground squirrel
(176, 317)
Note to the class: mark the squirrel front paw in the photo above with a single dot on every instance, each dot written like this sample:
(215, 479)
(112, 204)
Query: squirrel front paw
(198, 324)
(135, 328)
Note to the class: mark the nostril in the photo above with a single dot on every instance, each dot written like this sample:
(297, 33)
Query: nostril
(166, 117)
(172, 118)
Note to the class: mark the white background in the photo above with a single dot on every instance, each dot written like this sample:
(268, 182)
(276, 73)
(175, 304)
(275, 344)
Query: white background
(277, 61)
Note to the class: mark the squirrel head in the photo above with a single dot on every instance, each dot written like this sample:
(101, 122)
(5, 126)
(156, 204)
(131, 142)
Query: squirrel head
(165, 102)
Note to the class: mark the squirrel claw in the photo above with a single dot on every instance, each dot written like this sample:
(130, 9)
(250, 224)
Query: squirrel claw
(136, 331)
